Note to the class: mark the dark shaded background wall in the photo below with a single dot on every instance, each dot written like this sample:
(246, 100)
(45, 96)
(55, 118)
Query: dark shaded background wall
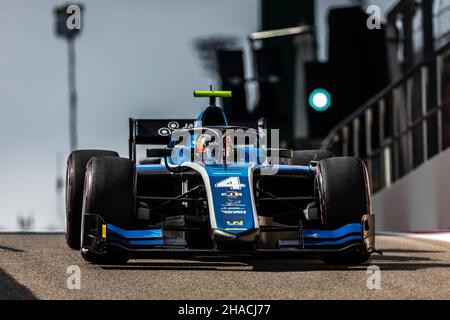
(279, 56)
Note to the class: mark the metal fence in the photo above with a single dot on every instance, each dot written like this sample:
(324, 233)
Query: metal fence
(403, 126)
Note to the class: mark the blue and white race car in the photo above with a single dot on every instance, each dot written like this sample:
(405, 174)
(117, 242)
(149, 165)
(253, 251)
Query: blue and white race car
(216, 189)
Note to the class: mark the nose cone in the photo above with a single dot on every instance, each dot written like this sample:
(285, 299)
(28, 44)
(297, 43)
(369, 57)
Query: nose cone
(235, 241)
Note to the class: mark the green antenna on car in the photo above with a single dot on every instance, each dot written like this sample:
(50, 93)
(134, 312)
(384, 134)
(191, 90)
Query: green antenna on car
(212, 94)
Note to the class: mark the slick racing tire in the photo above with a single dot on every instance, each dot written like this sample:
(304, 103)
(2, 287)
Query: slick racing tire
(344, 197)
(76, 168)
(304, 157)
(109, 191)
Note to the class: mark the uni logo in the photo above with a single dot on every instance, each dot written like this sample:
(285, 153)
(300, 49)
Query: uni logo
(235, 223)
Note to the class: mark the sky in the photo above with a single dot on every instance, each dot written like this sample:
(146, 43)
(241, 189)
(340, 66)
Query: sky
(134, 58)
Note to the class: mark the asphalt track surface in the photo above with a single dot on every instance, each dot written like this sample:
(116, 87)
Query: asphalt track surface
(34, 266)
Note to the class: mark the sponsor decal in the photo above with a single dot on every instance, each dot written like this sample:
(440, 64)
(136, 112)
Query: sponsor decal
(234, 217)
(234, 203)
(231, 194)
(235, 223)
(164, 132)
(235, 229)
(227, 211)
(171, 127)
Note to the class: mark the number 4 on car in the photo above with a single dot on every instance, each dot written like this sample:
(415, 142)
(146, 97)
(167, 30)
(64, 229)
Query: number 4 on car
(232, 182)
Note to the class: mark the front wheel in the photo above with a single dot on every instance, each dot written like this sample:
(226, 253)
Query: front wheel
(76, 169)
(109, 192)
(344, 198)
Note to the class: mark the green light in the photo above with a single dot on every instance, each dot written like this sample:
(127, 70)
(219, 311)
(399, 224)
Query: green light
(320, 99)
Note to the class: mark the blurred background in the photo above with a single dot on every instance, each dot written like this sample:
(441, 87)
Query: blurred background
(363, 78)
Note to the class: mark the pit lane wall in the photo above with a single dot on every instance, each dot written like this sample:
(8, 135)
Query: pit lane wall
(419, 201)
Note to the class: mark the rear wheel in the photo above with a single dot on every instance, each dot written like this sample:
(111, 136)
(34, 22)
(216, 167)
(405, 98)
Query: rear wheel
(76, 168)
(109, 192)
(344, 197)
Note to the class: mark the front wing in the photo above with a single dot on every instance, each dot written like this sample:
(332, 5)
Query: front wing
(103, 239)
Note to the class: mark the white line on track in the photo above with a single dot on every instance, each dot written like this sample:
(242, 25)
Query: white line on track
(437, 235)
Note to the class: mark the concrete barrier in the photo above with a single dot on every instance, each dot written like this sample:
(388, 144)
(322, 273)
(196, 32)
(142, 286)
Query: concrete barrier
(419, 201)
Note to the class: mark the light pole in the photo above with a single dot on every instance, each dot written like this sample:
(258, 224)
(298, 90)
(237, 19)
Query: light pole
(68, 26)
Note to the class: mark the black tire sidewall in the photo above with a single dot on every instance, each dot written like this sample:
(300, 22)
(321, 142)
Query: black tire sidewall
(110, 192)
(75, 174)
(343, 191)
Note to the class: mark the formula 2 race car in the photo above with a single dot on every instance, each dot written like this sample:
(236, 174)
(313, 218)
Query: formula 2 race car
(216, 189)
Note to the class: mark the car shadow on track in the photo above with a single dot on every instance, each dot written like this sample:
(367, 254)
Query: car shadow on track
(10, 249)
(201, 265)
(398, 250)
(390, 261)
(10, 289)
(363, 267)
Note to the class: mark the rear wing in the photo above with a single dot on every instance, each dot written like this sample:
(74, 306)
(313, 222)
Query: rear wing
(153, 131)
